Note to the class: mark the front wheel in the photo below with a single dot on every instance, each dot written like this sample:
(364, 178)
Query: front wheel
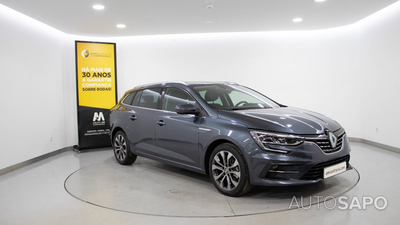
(122, 151)
(229, 171)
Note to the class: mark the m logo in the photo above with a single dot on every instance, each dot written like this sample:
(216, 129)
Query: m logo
(98, 117)
(332, 139)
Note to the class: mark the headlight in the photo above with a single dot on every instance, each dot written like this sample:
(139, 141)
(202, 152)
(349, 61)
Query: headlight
(267, 140)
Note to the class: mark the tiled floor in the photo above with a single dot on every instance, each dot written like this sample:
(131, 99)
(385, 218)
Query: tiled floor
(36, 195)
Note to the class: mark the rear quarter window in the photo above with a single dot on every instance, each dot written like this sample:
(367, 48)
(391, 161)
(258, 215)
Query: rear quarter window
(128, 100)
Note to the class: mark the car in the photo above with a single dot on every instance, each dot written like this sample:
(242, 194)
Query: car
(234, 134)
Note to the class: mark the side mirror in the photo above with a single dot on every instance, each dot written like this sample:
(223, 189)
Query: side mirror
(187, 109)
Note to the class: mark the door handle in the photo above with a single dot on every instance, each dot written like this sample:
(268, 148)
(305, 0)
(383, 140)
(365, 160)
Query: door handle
(161, 122)
(133, 117)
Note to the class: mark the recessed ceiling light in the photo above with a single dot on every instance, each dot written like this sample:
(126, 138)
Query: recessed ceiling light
(121, 25)
(297, 20)
(320, 0)
(98, 7)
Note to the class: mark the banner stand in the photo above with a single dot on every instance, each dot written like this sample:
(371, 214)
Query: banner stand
(75, 148)
(96, 85)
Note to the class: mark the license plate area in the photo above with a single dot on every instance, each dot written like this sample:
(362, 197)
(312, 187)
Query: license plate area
(335, 169)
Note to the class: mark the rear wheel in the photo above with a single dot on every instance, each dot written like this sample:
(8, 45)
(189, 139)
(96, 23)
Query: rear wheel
(122, 151)
(229, 171)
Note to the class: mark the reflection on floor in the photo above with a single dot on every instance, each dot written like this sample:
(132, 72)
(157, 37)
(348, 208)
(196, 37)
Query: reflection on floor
(164, 190)
(36, 195)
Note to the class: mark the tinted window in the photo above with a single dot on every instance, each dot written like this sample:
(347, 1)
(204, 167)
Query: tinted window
(174, 97)
(150, 98)
(137, 98)
(129, 98)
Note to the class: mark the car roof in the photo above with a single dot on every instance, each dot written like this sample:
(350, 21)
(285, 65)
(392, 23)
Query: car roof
(185, 83)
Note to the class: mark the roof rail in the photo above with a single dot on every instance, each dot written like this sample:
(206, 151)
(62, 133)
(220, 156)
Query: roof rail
(162, 82)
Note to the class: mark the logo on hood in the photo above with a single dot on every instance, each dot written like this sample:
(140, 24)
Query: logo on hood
(332, 138)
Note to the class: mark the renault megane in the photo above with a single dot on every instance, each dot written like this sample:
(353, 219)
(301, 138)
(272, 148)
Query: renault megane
(236, 135)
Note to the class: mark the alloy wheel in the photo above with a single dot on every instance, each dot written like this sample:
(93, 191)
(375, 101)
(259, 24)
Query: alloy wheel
(226, 170)
(120, 147)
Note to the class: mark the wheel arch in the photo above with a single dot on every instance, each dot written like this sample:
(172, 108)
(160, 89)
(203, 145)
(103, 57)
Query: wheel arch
(210, 149)
(114, 131)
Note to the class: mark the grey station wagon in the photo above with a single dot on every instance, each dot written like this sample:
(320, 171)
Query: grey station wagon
(236, 135)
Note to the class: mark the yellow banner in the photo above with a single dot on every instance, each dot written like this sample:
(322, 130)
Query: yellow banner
(96, 74)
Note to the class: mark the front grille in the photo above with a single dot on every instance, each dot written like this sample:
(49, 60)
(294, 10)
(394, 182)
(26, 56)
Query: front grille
(325, 145)
(317, 171)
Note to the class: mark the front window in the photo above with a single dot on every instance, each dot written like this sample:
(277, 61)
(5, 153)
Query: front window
(233, 97)
(174, 96)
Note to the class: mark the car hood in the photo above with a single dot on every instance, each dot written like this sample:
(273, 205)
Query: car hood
(284, 120)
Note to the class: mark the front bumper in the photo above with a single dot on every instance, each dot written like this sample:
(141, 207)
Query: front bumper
(303, 165)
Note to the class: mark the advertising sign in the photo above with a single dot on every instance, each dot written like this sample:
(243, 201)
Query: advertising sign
(96, 80)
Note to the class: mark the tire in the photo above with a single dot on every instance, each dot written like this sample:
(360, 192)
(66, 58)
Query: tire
(229, 171)
(122, 151)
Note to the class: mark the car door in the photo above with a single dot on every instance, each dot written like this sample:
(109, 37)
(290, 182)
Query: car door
(177, 135)
(141, 119)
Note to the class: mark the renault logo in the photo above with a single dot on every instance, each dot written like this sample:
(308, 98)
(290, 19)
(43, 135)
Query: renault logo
(332, 139)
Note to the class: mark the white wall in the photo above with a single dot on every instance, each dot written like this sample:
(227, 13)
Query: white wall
(31, 90)
(380, 77)
(348, 73)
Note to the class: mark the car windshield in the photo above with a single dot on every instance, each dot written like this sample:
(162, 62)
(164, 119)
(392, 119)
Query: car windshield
(233, 97)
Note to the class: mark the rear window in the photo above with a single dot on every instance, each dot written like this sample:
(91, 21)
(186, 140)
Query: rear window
(150, 98)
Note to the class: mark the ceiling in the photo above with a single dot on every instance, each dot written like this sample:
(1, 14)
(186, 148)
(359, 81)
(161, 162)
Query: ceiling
(154, 17)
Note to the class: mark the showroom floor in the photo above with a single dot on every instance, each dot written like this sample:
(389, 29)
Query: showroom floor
(91, 188)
